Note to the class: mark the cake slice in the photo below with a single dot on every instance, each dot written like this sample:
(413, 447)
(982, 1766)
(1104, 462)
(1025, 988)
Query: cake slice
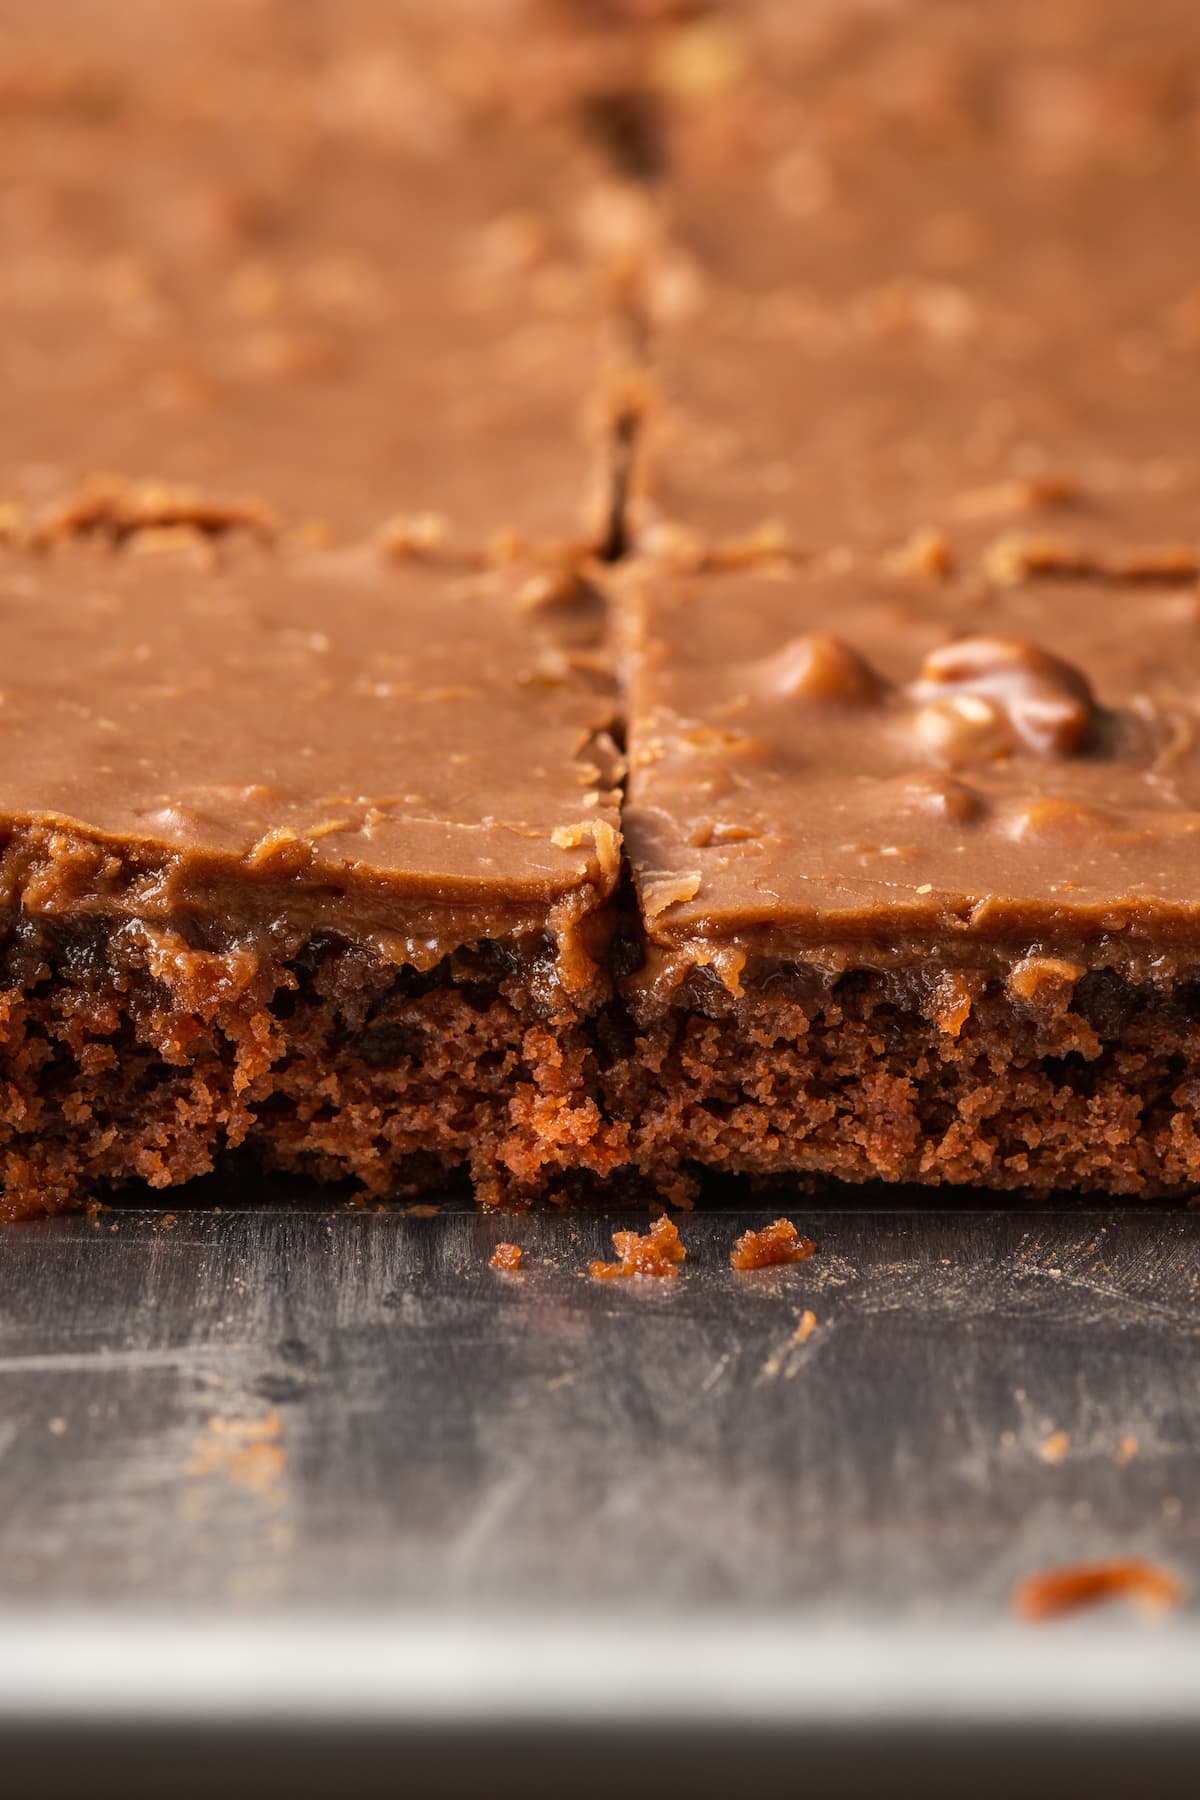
(310, 854)
(916, 865)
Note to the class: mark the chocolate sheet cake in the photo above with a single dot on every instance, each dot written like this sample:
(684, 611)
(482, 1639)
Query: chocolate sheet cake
(600, 615)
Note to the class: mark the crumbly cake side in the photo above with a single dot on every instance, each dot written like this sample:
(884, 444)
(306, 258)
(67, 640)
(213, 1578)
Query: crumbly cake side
(123, 1059)
(870, 1077)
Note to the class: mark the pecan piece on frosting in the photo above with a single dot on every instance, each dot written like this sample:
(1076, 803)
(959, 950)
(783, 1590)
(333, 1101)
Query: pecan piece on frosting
(819, 667)
(985, 696)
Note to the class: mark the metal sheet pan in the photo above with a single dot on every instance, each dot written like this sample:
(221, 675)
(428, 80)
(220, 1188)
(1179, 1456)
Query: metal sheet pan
(278, 1474)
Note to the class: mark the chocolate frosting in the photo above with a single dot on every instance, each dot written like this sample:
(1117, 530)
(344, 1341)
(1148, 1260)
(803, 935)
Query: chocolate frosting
(295, 264)
(252, 741)
(925, 274)
(881, 770)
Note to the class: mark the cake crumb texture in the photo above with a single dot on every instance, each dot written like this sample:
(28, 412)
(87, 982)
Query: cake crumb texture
(774, 1244)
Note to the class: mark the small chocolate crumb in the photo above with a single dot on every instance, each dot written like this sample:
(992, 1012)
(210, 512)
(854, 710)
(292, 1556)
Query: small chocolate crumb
(658, 1253)
(1057, 1592)
(777, 1243)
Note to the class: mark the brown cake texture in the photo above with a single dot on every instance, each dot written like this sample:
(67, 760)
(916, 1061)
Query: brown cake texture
(776, 1244)
(598, 616)
(653, 1255)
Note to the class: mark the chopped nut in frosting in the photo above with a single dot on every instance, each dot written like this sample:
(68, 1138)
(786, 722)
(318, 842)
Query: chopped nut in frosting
(821, 667)
(992, 695)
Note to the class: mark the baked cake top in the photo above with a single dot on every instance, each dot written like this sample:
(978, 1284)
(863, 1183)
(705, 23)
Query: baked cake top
(336, 741)
(845, 760)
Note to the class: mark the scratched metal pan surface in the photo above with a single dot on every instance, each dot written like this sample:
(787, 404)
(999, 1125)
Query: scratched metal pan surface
(290, 1490)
